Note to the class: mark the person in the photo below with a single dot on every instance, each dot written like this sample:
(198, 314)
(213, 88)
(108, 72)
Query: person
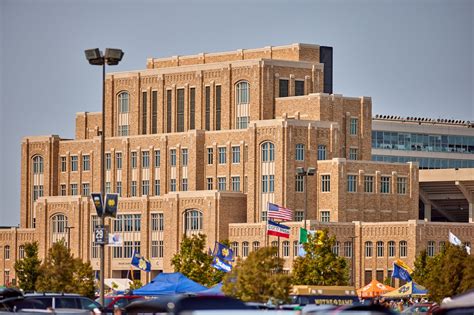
(117, 310)
(400, 306)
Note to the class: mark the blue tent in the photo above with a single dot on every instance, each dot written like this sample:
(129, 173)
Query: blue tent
(215, 290)
(168, 284)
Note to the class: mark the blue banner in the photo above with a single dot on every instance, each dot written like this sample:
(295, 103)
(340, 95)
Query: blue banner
(223, 252)
(400, 273)
(220, 264)
(140, 262)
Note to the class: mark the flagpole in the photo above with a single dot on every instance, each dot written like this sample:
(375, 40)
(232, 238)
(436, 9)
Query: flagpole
(278, 247)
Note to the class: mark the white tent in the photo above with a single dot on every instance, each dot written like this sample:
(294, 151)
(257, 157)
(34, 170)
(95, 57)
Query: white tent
(118, 284)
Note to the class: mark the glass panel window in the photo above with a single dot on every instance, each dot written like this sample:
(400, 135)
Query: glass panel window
(173, 157)
(63, 163)
(157, 222)
(321, 152)
(108, 161)
(63, 189)
(144, 111)
(209, 183)
(145, 187)
(218, 107)
(7, 252)
(236, 154)
(353, 154)
(325, 216)
(208, 107)
(222, 155)
(268, 152)
(157, 158)
(118, 160)
(368, 184)
(74, 163)
(157, 187)
(335, 248)
(173, 184)
(354, 127)
(385, 184)
(169, 113)
(234, 246)
(235, 183)
(85, 190)
(74, 191)
(193, 221)
(145, 159)
(210, 156)
(299, 215)
(184, 184)
(401, 185)
(283, 83)
(430, 251)
(107, 187)
(180, 110)
(133, 188)
(86, 163)
(245, 249)
(391, 249)
(118, 188)
(299, 87)
(123, 102)
(286, 249)
(243, 96)
(403, 248)
(192, 108)
(133, 158)
(352, 183)
(380, 247)
(325, 183)
(21, 252)
(368, 249)
(255, 246)
(184, 157)
(299, 152)
(154, 249)
(221, 183)
(242, 99)
(348, 249)
(299, 183)
(296, 248)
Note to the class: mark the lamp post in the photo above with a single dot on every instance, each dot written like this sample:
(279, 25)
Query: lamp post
(95, 57)
(300, 171)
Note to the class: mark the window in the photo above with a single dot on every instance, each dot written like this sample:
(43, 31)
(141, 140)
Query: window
(145, 187)
(85, 189)
(236, 154)
(118, 188)
(74, 189)
(352, 183)
(184, 157)
(353, 154)
(368, 184)
(173, 184)
(264, 215)
(86, 163)
(335, 248)
(430, 251)
(235, 183)
(299, 183)
(348, 249)
(59, 223)
(325, 183)
(144, 111)
(221, 183)
(192, 108)
(123, 102)
(255, 246)
(21, 252)
(63, 163)
(403, 249)
(325, 216)
(391, 249)
(299, 215)
(74, 163)
(234, 246)
(385, 184)
(184, 184)
(128, 249)
(268, 152)
(37, 192)
(107, 187)
(209, 183)
(133, 188)
(157, 222)
(299, 152)
(134, 159)
(401, 185)
(108, 162)
(193, 221)
(353, 127)
(367, 276)
(180, 111)
(157, 158)
(210, 156)
(218, 107)
(157, 187)
(283, 83)
(154, 111)
(442, 246)
(118, 160)
(7, 252)
(296, 249)
(286, 249)
(268, 183)
(321, 152)
(63, 189)
(299, 87)
(380, 247)
(173, 157)
(169, 114)
(242, 98)
(208, 107)
(123, 108)
(245, 249)
(145, 159)
(154, 249)
(222, 155)
(122, 130)
(368, 249)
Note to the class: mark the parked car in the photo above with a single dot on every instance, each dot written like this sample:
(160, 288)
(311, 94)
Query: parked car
(64, 300)
(118, 301)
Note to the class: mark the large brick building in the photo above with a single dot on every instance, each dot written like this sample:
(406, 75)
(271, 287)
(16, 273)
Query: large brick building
(201, 144)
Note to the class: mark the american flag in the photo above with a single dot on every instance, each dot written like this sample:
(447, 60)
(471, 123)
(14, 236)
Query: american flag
(278, 212)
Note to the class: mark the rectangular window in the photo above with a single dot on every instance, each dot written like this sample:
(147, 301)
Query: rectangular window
(134, 159)
(157, 158)
(37, 191)
(299, 87)
(128, 249)
(154, 111)
(85, 190)
(192, 108)
(221, 183)
(173, 184)
(299, 183)
(123, 130)
(271, 183)
(180, 110)
(218, 107)
(354, 127)
(86, 163)
(145, 159)
(154, 249)
(208, 107)
(299, 215)
(108, 161)
(385, 184)
(169, 113)
(283, 88)
(209, 183)
(391, 249)
(74, 163)
(157, 187)
(348, 249)
(63, 163)
(325, 216)
(368, 184)
(401, 185)
(145, 187)
(133, 189)
(118, 160)
(235, 183)
(118, 188)
(157, 222)
(353, 152)
(264, 183)
(222, 155)
(352, 183)
(380, 247)
(210, 156)
(321, 152)
(107, 187)
(63, 189)
(325, 183)
(173, 157)
(73, 189)
(144, 111)
(299, 156)
(184, 157)
(236, 154)
(184, 184)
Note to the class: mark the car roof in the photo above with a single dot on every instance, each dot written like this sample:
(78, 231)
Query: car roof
(36, 294)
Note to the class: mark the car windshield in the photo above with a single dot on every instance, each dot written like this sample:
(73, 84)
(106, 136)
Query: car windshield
(107, 300)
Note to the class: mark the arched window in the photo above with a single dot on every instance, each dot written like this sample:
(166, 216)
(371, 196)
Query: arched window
(192, 221)
(38, 165)
(268, 152)
(21, 252)
(242, 100)
(299, 155)
(380, 246)
(403, 249)
(123, 102)
(7, 252)
(235, 248)
(58, 228)
(296, 249)
(123, 110)
(368, 249)
(245, 249)
(286, 249)
(391, 249)
(255, 245)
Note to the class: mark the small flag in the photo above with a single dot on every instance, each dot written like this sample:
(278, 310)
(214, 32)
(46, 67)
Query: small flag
(402, 264)
(97, 199)
(453, 239)
(115, 240)
(278, 212)
(400, 273)
(223, 252)
(220, 264)
(277, 229)
(303, 238)
(111, 203)
(140, 262)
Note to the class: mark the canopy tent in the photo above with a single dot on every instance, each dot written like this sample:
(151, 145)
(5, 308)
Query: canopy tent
(168, 284)
(463, 300)
(215, 290)
(118, 284)
(373, 289)
(407, 290)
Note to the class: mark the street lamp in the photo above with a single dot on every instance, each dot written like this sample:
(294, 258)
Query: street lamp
(95, 57)
(300, 171)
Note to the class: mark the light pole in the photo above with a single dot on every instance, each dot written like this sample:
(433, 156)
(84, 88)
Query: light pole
(95, 57)
(68, 229)
(300, 171)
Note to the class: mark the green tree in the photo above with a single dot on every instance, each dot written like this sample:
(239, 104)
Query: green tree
(421, 268)
(61, 272)
(136, 284)
(194, 261)
(27, 269)
(320, 266)
(257, 278)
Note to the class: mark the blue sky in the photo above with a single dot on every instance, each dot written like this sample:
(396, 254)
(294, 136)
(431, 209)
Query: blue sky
(414, 58)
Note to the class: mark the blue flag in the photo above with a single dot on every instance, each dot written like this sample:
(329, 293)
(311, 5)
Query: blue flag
(223, 252)
(220, 264)
(140, 262)
(400, 273)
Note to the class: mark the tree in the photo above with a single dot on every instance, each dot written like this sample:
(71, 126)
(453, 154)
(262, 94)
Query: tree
(61, 272)
(136, 284)
(320, 266)
(194, 262)
(421, 268)
(27, 269)
(257, 278)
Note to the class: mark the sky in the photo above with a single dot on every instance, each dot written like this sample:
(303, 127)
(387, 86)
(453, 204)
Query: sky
(414, 58)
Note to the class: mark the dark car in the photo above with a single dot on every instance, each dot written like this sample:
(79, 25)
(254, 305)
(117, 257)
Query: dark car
(118, 301)
(63, 300)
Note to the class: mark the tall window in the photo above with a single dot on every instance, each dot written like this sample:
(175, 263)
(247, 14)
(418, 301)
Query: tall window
(245, 249)
(268, 152)
(208, 107)
(255, 246)
(63, 163)
(85, 189)
(325, 183)
(173, 184)
(299, 152)
(353, 154)
(286, 249)
(235, 248)
(354, 127)
(123, 102)
(157, 158)
(157, 187)
(348, 249)
(74, 163)
(154, 111)
(38, 165)
(401, 185)
(192, 108)
(173, 157)
(403, 249)
(391, 249)
(221, 183)
(118, 188)
(299, 183)
(235, 183)
(144, 111)
(368, 249)
(209, 183)
(368, 184)
(336, 247)
(385, 184)
(118, 160)
(325, 216)
(74, 189)
(133, 188)
(430, 251)
(108, 161)
(145, 187)
(58, 227)
(222, 155)
(242, 98)
(184, 157)
(7, 252)
(134, 159)
(352, 183)
(180, 110)
(210, 156)
(193, 221)
(235, 154)
(169, 113)
(157, 222)
(86, 163)
(218, 107)
(184, 184)
(380, 247)
(321, 152)
(123, 108)
(21, 251)
(145, 159)
(283, 83)
(299, 87)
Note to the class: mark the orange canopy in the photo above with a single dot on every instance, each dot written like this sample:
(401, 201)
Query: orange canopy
(373, 289)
